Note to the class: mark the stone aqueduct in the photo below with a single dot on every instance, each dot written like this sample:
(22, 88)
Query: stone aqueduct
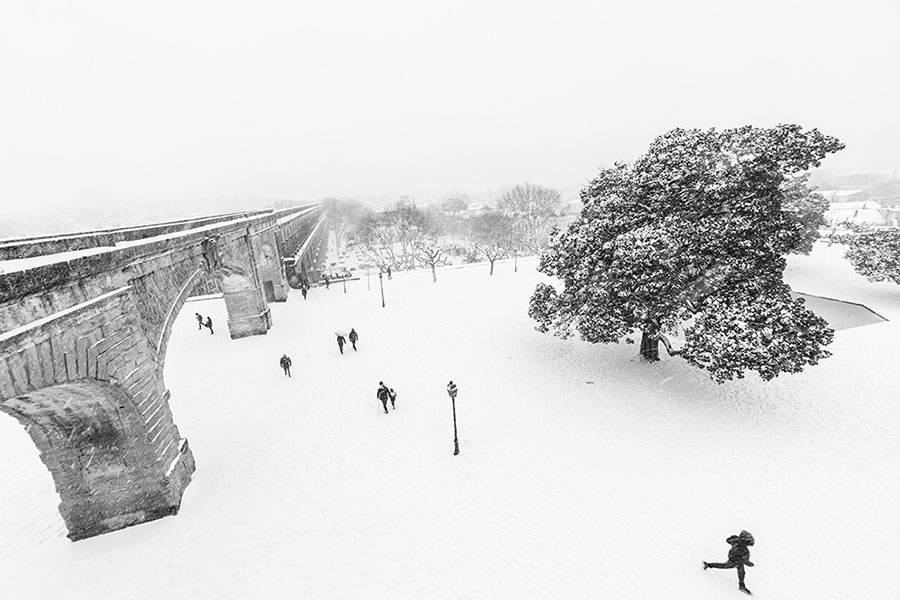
(85, 321)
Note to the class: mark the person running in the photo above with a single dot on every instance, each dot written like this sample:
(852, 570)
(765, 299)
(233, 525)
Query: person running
(285, 363)
(199, 320)
(393, 397)
(209, 324)
(353, 337)
(341, 341)
(738, 556)
(383, 394)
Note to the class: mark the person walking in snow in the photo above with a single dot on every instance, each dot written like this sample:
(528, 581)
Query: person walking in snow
(389, 272)
(353, 337)
(738, 556)
(303, 291)
(209, 324)
(341, 341)
(383, 394)
(325, 277)
(285, 363)
(199, 320)
(393, 397)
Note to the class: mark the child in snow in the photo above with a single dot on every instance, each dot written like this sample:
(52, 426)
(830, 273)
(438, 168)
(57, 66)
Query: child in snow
(738, 556)
(393, 396)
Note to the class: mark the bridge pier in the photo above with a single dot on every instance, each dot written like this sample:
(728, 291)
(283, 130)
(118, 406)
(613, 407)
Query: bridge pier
(83, 344)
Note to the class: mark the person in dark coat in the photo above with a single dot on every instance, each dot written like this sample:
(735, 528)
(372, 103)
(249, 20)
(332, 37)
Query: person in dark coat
(389, 272)
(303, 291)
(199, 320)
(738, 556)
(209, 324)
(285, 363)
(393, 396)
(325, 277)
(383, 394)
(341, 341)
(353, 337)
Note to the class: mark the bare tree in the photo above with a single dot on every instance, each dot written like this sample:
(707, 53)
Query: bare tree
(532, 208)
(375, 238)
(431, 255)
(391, 236)
(343, 215)
(492, 232)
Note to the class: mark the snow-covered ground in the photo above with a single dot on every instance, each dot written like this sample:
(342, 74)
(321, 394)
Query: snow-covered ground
(583, 472)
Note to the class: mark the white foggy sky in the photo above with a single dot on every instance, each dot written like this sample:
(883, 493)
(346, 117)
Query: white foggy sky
(134, 102)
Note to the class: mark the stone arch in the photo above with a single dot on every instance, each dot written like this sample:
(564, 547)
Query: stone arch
(162, 342)
(106, 466)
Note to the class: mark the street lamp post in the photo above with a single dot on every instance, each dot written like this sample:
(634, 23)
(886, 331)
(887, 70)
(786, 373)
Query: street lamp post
(381, 285)
(368, 280)
(345, 284)
(451, 390)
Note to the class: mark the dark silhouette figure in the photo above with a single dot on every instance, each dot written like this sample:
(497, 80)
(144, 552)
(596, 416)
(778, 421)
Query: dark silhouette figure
(393, 397)
(353, 337)
(325, 277)
(341, 341)
(199, 320)
(209, 324)
(383, 394)
(285, 363)
(303, 291)
(389, 272)
(738, 556)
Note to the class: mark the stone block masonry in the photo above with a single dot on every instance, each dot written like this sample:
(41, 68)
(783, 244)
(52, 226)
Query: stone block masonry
(83, 340)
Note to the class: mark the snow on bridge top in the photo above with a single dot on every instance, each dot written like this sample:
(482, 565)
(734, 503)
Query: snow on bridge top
(28, 274)
(18, 248)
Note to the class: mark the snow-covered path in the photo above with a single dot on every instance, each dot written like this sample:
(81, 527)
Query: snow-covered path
(583, 473)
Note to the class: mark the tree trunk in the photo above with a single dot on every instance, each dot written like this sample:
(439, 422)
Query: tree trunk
(649, 347)
(433, 274)
(492, 268)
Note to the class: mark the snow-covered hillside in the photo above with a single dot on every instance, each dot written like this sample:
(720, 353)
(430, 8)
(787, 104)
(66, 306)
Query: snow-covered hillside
(583, 472)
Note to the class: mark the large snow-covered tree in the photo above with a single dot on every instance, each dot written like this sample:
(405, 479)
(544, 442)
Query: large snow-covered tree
(874, 253)
(692, 237)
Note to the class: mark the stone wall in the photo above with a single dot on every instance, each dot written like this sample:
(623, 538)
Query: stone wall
(87, 388)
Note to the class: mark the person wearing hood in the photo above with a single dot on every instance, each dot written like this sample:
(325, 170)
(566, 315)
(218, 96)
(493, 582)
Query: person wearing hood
(738, 556)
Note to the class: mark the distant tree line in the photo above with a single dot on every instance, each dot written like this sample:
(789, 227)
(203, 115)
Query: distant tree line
(405, 236)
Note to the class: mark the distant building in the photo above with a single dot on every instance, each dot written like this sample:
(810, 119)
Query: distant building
(867, 212)
(476, 208)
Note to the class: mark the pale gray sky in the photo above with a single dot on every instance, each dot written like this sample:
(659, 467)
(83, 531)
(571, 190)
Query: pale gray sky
(133, 102)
